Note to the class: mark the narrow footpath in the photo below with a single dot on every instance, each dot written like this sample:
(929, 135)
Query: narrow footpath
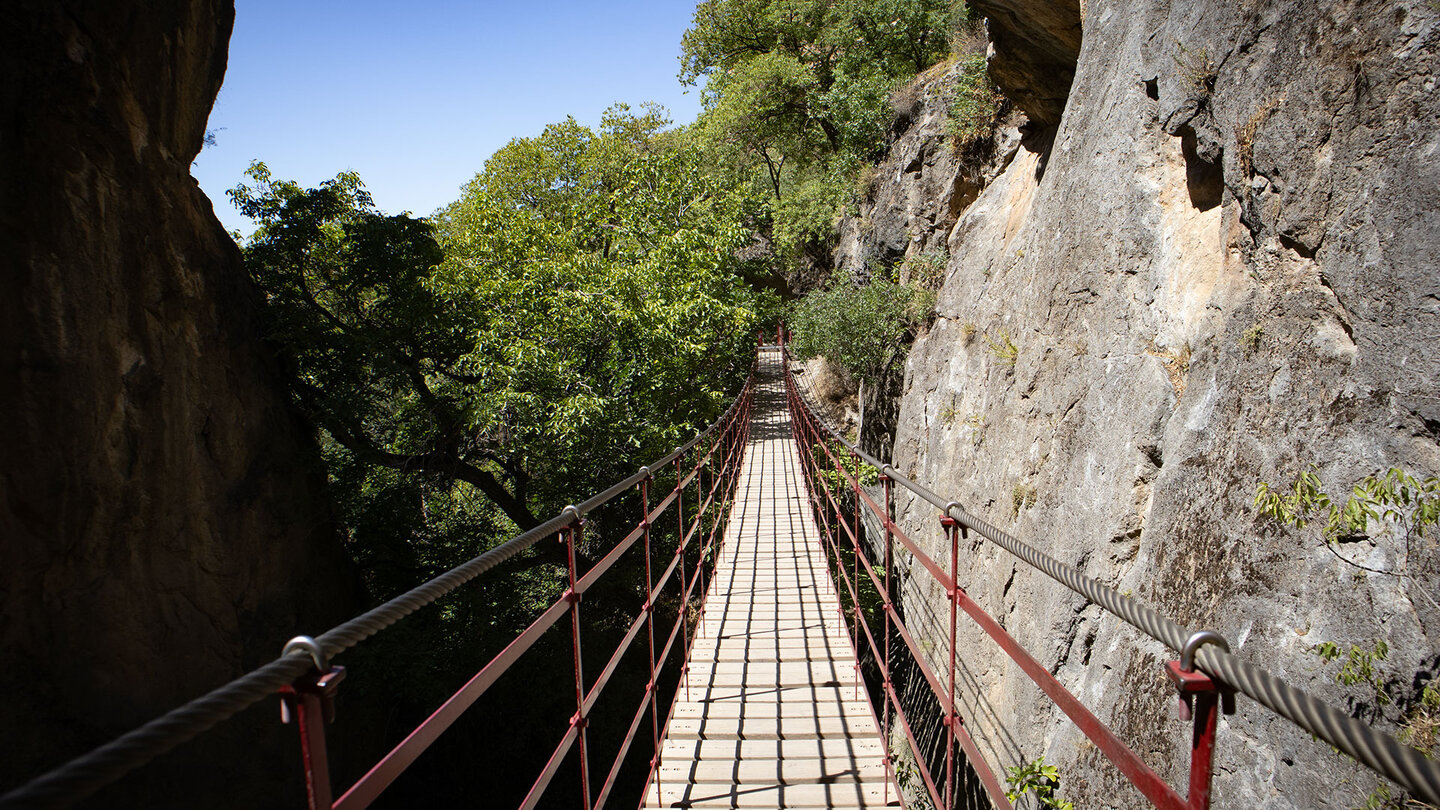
(773, 715)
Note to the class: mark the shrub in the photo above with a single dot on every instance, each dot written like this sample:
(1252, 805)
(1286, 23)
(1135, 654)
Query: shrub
(975, 104)
(1038, 778)
(859, 327)
(927, 270)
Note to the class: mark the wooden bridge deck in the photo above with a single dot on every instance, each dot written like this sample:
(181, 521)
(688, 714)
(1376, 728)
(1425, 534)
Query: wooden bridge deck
(773, 715)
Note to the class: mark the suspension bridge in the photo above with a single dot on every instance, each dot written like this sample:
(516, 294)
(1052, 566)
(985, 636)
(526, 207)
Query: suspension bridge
(768, 595)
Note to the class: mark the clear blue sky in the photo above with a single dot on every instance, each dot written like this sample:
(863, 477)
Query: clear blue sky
(415, 96)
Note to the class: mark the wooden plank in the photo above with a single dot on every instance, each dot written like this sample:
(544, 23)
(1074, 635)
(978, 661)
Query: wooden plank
(774, 714)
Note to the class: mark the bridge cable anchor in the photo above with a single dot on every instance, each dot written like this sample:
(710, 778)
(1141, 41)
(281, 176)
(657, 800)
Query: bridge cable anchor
(1190, 682)
(321, 683)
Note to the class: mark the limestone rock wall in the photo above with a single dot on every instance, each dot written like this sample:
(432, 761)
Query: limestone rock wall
(162, 525)
(1216, 267)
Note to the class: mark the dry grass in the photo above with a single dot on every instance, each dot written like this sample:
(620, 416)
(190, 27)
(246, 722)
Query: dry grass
(1177, 365)
(1245, 134)
(1021, 497)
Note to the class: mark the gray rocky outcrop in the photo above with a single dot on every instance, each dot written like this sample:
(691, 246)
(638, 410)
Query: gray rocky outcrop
(1216, 268)
(1035, 44)
(162, 523)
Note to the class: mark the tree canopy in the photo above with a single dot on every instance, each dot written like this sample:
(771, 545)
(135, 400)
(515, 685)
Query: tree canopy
(797, 91)
(574, 313)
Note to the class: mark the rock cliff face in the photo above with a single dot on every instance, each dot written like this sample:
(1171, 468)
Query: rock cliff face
(1213, 254)
(160, 505)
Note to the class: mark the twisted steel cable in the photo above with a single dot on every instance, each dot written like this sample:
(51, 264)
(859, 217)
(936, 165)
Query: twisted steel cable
(1374, 749)
(82, 776)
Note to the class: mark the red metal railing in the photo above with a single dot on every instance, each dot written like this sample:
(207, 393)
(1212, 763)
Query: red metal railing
(824, 462)
(713, 473)
(717, 453)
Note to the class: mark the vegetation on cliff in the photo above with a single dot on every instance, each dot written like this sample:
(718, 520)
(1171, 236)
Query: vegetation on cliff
(797, 95)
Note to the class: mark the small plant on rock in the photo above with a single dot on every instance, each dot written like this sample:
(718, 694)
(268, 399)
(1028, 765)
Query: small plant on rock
(1359, 666)
(1177, 365)
(926, 270)
(1394, 505)
(948, 413)
(1004, 348)
(1250, 339)
(1022, 497)
(1038, 778)
(976, 423)
(1196, 68)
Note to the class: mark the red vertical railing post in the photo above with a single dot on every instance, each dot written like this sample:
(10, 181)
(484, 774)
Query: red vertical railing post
(702, 540)
(310, 701)
(684, 582)
(952, 717)
(1201, 700)
(1202, 749)
(887, 484)
(650, 687)
(855, 537)
(836, 520)
(570, 537)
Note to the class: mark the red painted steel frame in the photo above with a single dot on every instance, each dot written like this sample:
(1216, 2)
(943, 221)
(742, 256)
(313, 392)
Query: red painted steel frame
(309, 698)
(1196, 689)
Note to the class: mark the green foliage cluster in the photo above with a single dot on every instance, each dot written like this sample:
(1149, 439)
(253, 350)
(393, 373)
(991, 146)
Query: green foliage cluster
(1359, 666)
(797, 93)
(859, 327)
(1038, 778)
(576, 312)
(1418, 719)
(909, 779)
(1398, 502)
(926, 269)
(839, 482)
(1395, 505)
(975, 103)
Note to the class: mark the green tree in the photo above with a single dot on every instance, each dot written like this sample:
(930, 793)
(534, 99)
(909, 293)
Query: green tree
(796, 94)
(381, 357)
(860, 327)
(615, 328)
(574, 313)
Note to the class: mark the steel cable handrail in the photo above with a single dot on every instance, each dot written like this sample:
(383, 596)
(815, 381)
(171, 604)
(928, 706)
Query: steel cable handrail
(87, 773)
(1374, 749)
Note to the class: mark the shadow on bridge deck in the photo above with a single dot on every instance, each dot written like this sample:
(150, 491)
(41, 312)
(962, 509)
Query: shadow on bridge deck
(774, 714)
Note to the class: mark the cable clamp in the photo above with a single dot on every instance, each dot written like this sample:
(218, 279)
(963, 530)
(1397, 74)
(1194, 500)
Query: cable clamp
(1190, 682)
(310, 646)
(322, 682)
